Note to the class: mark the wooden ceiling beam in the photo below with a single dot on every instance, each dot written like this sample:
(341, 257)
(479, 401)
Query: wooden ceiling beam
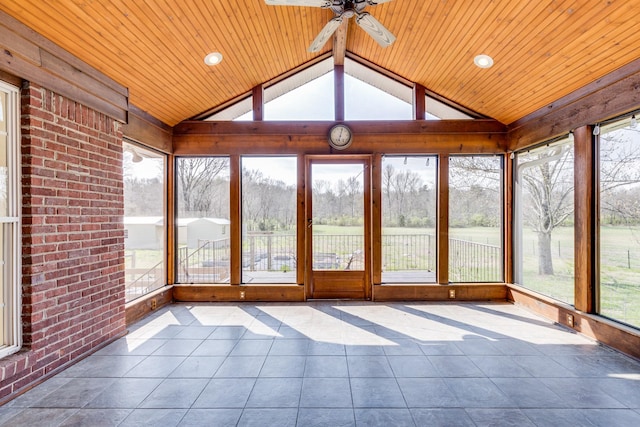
(340, 43)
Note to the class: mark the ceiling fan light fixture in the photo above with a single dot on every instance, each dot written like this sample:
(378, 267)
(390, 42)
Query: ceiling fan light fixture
(483, 61)
(214, 58)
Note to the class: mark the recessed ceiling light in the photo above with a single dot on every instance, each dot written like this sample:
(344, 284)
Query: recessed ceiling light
(214, 58)
(483, 61)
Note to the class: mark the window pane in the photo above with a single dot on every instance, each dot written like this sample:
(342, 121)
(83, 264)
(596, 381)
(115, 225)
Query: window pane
(144, 220)
(620, 223)
(409, 219)
(311, 101)
(203, 219)
(363, 101)
(475, 219)
(269, 191)
(544, 213)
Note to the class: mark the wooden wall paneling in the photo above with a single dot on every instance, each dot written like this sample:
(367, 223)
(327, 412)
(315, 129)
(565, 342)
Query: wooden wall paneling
(31, 57)
(147, 304)
(308, 223)
(443, 219)
(218, 293)
(368, 244)
(584, 228)
(611, 96)
(507, 214)
(258, 102)
(338, 82)
(376, 218)
(431, 292)
(301, 224)
(235, 200)
(147, 130)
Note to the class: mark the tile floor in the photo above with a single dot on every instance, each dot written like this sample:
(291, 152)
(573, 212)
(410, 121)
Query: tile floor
(337, 363)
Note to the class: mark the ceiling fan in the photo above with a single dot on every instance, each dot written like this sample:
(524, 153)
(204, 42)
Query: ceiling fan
(343, 9)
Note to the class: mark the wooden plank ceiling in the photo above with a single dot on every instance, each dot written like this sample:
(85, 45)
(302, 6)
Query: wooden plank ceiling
(542, 49)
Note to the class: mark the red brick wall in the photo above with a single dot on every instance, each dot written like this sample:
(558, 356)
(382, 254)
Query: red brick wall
(72, 235)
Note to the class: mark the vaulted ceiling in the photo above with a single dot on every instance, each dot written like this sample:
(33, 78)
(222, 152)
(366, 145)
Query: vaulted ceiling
(542, 50)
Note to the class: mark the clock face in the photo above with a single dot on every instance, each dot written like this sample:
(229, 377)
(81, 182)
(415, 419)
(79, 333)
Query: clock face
(340, 137)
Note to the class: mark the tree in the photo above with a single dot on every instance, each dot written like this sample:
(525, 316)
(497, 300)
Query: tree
(203, 186)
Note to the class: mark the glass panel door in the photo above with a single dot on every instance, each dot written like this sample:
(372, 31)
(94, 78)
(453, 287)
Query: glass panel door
(339, 227)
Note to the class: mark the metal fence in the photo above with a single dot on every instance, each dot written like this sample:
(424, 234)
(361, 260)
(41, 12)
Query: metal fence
(468, 261)
(474, 262)
(141, 281)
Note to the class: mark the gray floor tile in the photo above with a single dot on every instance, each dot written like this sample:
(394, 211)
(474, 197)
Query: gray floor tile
(40, 417)
(625, 391)
(499, 367)
(529, 393)
(434, 348)
(376, 393)
(241, 366)
(365, 350)
(156, 367)
(6, 413)
(75, 394)
(584, 392)
(326, 367)
(404, 347)
(227, 333)
(198, 367)
(319, 348)
(442, 418)
(35, 394)
(427, 393)
(97, 417)
(175, 393)
(293, 347)
(125, 393)
(225, 393)
(542, 367)
(281, 417)
(216, 347)
(275, 393)
(283, 366)
(455, 366)
(412, 366)
(326, 393)
(369, 366)
(128, 346)
(154, 417)
(478, 347)
(478, 393)
(252, 348)
(322, 417)
(196, 333)
(103, 366)
(516, 347)
(211, 417)
(376, 417)
(175, 347)
(583, 417)
(492, 417)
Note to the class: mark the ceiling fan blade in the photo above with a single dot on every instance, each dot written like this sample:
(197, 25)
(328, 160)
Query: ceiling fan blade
(375, 2)
(312, 3)
(375, 29)
(325, 34)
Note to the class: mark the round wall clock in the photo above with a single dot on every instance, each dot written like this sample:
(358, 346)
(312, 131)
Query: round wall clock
(340, 137)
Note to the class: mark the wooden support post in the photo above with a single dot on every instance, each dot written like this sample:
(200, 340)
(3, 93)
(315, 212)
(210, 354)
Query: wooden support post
(443, 219)
(584, 222)
(258, 103)
(376, 218)
(338, 76)
(508, 218)
(301, 226)
(171, 220)
(236, 220)
(419, 102)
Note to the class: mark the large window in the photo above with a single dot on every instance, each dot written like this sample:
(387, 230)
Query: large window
(144, 220)
(269, 190)
(409, 219)
(544, 212)
(475, 219)
(202, 185)
(9, 221)
(620, 222)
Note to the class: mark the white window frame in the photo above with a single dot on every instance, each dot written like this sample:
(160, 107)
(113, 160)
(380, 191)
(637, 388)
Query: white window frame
(10, 284)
